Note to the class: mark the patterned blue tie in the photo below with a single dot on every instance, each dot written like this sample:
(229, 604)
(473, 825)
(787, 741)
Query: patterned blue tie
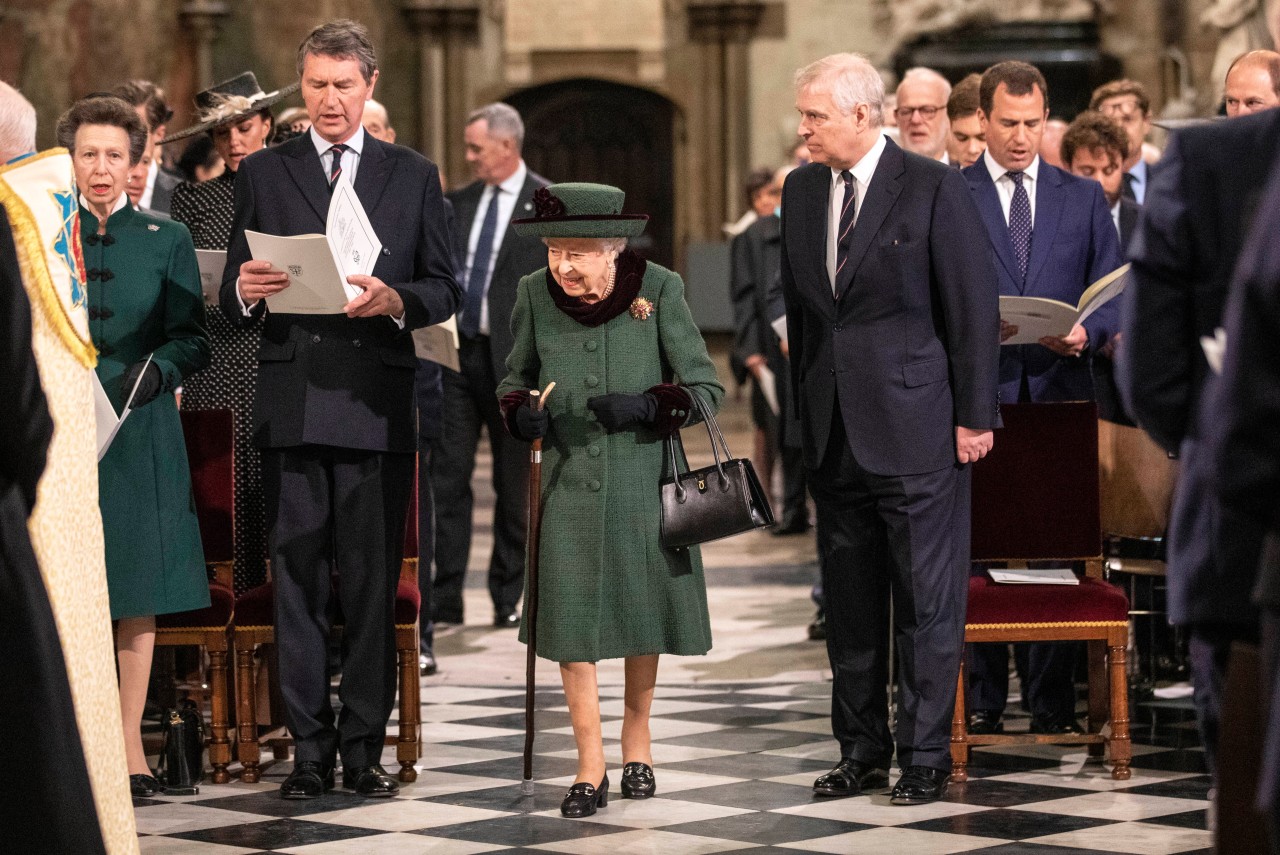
(1020, 222)
(469, 323)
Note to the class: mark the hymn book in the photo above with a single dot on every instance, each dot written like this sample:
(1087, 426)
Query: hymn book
(1038, 317)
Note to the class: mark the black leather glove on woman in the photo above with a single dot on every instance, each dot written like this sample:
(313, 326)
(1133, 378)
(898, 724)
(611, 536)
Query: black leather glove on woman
(620, 411)
(531, 424)
(148, 389)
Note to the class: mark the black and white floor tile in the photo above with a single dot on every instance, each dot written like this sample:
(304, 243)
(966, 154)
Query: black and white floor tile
(734, 766)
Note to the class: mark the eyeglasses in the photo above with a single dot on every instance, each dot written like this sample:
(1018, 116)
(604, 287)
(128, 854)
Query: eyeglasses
(926, 113)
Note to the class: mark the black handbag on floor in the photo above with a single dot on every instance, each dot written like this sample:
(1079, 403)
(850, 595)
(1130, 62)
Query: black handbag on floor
(716, 501)
(182, 755)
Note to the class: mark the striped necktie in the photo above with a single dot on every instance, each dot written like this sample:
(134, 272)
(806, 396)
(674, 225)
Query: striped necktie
(335, 168)
(848, 210)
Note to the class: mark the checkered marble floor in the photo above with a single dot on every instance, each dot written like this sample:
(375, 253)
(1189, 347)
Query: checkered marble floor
(734, 763)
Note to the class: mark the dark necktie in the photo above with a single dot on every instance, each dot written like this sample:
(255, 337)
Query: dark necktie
(1020, 222)
(335, 168)
(469, 323)
(847, 212)
(1126, 189)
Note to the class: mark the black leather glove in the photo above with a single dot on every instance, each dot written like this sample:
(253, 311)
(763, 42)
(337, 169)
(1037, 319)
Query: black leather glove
(620, 411)
(148, 389)
(531, 424)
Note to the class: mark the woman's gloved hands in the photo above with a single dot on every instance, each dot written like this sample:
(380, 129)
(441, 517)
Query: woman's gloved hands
(149, 387)
(531, 424)
(620, 411)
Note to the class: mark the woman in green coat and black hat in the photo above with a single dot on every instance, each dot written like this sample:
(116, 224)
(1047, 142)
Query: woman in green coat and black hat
(615, 334)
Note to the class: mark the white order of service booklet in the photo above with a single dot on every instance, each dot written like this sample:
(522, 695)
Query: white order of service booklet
(318, 265)
(1038, 317)
(212, 262)
(108, 422)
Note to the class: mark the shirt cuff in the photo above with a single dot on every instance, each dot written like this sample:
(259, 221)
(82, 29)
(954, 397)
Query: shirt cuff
(247, 311)
(399, 322)
(780, 327)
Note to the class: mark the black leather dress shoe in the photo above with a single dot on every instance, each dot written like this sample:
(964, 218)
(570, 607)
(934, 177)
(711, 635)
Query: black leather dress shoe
(818, 629)
(308, 780)
(1055, 728)
(506, 620)
(583, 799)
(985, 723)
(144, 786)
(795, 525)
(638, 781)
(427, 663)
(851, 777)
(920, 785)
(371, 781)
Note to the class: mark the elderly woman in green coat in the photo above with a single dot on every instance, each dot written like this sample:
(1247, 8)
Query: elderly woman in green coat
(615, 334)
(144, 301)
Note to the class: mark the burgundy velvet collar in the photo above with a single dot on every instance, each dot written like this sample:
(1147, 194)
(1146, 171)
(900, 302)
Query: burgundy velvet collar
(626, 285)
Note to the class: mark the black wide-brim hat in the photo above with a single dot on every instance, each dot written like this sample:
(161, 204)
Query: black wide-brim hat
(230, 101)
(580, 210)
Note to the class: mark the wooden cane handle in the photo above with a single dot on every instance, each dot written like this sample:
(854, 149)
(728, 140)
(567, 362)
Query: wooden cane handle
(540, 398)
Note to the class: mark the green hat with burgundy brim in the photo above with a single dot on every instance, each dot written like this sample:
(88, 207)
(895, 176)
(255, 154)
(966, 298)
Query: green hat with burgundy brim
(579, 210)
(231, 101)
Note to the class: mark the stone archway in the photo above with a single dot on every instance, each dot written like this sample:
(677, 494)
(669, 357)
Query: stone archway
(587, 129)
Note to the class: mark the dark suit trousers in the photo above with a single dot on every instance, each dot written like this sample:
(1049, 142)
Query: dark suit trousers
(428, 396)
(905, 538)
(471, 403)
(336, 512)
(1050, 678)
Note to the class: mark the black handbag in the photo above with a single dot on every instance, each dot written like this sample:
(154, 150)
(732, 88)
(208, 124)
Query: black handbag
(181, 763)
(716, 501)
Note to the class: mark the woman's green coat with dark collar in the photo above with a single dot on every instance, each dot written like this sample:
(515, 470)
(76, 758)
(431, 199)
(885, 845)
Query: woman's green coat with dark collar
(144, 298)
(607, 588)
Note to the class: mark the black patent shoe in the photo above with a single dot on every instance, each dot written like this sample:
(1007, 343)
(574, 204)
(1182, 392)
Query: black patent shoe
(1055, 728)
(920, 785)
(371, 781)
(583, 799)
(308, 780)
(144, 786)
(850, 777)
(985, 723)
(638, 781)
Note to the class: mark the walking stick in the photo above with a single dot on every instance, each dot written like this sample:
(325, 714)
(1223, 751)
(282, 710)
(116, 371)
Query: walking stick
(537, 400)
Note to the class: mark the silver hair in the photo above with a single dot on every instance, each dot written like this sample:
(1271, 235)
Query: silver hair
(850, 79)
(926, 75)
(341, 39)
(377, 108)
(17, 123)
(609, 244)
(502, 120)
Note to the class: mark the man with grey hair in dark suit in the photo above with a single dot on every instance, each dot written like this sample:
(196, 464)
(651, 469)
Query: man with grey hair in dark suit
(492, 258)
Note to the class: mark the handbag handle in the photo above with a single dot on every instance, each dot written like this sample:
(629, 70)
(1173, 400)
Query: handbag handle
(713, 433)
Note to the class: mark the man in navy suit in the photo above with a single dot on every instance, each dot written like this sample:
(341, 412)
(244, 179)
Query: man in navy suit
(334, 406)
(1206, 193)
(893, 329)
(1051, 235)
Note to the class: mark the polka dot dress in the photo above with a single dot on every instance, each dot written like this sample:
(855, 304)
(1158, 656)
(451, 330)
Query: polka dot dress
(229, 381)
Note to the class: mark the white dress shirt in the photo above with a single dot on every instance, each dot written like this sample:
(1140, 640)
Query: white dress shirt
(510, 193)
(862, 171)
(1005, 186)
(144, 201)
(1139, 182)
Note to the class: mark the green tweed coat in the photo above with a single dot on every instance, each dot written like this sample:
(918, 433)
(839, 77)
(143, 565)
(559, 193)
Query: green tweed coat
(144, 297)
(606, 587)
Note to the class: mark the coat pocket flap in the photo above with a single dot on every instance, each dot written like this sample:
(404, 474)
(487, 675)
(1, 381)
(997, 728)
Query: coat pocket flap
(923, 373)
(399, 358)
(269, 351)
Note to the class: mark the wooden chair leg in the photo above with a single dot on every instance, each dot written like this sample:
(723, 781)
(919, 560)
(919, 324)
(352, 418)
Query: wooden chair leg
(959, 734)
(219, 718)
(246, 714)
(1121, 746)
(410, 709)
(1099, 701)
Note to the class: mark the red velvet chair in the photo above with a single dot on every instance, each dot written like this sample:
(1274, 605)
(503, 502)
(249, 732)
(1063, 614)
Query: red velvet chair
(255, 625)
(210, 439)
(1035, 498)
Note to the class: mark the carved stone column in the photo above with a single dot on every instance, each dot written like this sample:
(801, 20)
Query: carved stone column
(443, 28)
(203, 19)
(725, 29)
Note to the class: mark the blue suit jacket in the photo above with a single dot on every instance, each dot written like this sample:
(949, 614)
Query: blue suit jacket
(906, 349)
(1073, 244)
(330, 379)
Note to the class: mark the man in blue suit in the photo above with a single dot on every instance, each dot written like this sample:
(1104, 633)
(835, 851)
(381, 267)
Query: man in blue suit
(1052, 235)
(334, 407)
(892, 324)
